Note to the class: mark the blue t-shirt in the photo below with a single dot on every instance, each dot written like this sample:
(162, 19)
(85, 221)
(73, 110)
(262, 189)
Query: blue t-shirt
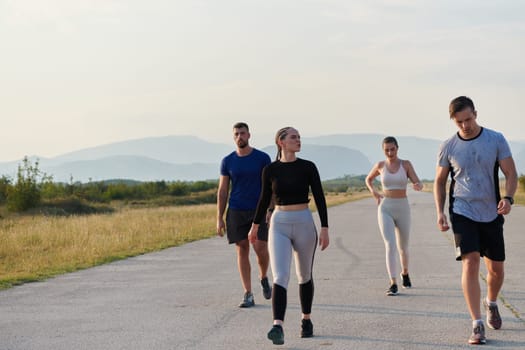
(245, 176)
(474, 167)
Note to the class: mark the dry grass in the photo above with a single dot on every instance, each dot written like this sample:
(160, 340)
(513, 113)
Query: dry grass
(333, 199)
(520, 198)
(33, 248)
(36, 247)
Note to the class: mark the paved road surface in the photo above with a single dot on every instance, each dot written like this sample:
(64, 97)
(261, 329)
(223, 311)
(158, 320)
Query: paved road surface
(186, 297)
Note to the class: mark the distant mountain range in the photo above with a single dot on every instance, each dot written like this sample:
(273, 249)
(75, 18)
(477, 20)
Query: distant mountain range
(188, 158)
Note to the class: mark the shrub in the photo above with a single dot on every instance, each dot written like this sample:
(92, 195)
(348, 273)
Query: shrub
(71, 206)
(26, 192)
(5, 183)
(178, 189)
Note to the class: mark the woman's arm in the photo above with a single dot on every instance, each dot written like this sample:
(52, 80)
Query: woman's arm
(374, 172)
(411, 173)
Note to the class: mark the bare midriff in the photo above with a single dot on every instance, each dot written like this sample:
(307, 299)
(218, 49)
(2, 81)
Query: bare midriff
(394, 193)
(291, 207)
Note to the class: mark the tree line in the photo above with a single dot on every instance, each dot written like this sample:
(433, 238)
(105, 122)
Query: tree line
(33, 188)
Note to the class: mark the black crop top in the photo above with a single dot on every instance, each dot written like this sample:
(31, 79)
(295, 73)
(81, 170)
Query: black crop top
(290, 183)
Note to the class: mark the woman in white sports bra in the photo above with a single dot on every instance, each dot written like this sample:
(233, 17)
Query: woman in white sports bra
(393, 212)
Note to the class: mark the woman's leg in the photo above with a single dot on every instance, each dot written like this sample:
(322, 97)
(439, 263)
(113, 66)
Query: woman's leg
(280, 249)
(403, 234)
(387, 228)
(304, 245)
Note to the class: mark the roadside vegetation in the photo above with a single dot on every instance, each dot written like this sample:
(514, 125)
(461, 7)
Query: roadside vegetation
(519, 198)
(49, 228)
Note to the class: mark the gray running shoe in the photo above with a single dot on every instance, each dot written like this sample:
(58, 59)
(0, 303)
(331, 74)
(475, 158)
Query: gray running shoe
(493, 317)
(247, 300)
(267, 289)
(276, 335)
(478, 335)
(392, 290)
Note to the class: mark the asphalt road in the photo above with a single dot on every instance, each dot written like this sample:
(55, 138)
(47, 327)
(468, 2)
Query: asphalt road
(186, 297)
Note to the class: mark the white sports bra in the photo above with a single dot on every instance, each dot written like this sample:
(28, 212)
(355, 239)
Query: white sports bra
(394, 181)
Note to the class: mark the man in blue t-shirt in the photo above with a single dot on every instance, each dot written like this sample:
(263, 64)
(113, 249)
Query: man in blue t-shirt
(243, 168)
(473, 158)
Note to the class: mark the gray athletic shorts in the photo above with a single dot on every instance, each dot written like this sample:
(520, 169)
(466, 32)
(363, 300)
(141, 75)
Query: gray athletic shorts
(239, 223)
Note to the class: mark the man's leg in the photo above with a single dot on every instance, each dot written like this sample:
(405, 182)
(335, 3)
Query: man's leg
(495, 276)
(466, 235)
(243, 263)
(470, 283)
(263, 258)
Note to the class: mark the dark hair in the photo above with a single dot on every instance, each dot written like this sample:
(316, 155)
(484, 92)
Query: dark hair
(280, 135)
(460, 103)
(240, 125)
(390, 139)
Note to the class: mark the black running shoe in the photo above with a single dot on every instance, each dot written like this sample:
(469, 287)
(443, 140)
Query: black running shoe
(276, 335)
(406, 281)
(307, 328)
(392, 290)
(267, 289)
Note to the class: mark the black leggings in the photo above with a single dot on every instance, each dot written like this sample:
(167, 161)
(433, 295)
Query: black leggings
(280, 299)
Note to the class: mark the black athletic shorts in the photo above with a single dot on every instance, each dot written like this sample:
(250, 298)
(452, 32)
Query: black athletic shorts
(239, 223)
(483, 237)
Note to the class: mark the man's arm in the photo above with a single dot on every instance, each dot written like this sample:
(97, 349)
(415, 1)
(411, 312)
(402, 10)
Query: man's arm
(222, 200)
(511, 176)
(440, 194)
(511, 183)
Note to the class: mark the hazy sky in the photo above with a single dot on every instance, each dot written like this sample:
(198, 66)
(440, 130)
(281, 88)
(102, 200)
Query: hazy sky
(81, 73)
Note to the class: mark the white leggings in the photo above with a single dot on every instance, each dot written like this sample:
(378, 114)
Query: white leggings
(393, 216)
(292, 232)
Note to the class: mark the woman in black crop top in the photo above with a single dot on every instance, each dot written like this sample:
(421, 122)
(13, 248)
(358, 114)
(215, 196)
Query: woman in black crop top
(288, 181)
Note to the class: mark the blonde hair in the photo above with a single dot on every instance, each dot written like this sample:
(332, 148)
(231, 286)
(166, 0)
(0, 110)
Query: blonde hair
(279, 136)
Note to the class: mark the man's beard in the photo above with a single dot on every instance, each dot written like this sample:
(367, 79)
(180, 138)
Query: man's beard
(242, 144)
